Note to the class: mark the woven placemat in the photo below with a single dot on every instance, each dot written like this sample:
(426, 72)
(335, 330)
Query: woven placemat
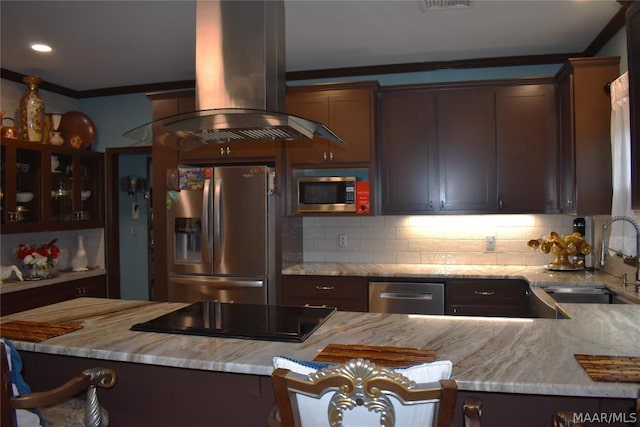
(381, 355)
(23, 330)
(611, 368)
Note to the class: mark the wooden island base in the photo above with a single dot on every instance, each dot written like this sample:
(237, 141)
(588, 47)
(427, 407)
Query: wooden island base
(151, 395)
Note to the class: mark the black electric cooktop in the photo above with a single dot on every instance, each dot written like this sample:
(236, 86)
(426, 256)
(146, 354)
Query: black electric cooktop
(248, 321)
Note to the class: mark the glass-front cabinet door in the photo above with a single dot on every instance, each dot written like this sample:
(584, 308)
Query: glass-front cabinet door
(21, 186)
(89, 190)
(61, 209)
(76, 188)
(46, 187)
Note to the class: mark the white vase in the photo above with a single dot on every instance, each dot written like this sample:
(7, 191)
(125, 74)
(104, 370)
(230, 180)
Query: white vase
(80, 261)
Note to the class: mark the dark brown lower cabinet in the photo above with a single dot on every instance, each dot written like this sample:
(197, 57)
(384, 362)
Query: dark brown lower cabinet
(486, 297)
(535, 410)
(346, 293)
(162, 396)
(27, 299)
(221, 399)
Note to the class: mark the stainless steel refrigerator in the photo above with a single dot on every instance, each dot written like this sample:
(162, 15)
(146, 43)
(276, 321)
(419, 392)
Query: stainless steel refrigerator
(221, 234)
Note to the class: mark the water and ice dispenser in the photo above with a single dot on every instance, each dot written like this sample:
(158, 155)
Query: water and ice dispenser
(187, 240)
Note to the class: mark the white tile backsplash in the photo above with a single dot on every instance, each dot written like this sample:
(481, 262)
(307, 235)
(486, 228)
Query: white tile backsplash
(431, 239)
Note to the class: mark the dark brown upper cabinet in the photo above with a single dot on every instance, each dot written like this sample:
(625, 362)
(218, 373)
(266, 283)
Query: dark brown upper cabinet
(527, 148)
(465, 134)
(408, 152)
(348, 109)
(585, 134)
(483, 147)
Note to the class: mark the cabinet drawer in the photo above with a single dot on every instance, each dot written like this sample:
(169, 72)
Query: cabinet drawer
(344, 293)
(493, 292)
(485, 310)
(486, 297)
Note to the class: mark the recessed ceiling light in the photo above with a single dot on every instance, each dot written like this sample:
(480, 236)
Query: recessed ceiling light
(41, 47)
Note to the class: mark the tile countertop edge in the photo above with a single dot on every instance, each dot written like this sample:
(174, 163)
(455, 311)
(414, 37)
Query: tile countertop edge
(536, 276)
(541, 360)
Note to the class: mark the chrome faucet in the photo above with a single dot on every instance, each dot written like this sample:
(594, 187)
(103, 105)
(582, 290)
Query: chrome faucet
(603, 256)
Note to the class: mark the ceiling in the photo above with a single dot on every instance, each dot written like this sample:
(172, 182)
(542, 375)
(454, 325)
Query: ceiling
(107, 44)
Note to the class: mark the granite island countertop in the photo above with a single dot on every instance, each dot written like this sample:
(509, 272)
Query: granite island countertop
(530, 356)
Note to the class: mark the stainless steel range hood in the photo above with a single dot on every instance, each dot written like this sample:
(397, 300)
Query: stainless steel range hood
(240, 80)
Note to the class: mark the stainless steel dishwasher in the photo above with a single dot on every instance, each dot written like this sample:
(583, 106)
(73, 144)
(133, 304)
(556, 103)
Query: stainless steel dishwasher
(406, 297)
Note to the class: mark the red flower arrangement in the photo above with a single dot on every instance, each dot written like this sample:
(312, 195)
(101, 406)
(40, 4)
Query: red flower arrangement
(44, 254)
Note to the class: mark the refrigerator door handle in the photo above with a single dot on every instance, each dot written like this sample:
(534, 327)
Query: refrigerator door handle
(217, 218)
(207, 231)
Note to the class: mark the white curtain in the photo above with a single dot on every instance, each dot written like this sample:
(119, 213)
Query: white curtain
(622, 233)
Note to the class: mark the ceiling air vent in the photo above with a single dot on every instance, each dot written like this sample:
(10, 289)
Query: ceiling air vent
(426, 5)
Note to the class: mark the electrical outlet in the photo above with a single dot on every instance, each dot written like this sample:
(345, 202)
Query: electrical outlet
(490, 243)
(342, 240)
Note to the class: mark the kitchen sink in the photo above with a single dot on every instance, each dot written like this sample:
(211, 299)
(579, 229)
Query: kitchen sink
(541, 301)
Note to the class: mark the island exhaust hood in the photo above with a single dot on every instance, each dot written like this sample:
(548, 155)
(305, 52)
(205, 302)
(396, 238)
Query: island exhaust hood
(240, 80)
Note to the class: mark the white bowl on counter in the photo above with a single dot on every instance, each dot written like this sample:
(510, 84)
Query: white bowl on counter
(24, 197)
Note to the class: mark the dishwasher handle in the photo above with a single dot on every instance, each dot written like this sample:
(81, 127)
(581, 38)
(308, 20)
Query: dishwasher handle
(407, 295)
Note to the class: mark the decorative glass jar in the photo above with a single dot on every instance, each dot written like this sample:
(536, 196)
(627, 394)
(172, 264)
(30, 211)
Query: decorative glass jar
(31, 111)
(36, 271)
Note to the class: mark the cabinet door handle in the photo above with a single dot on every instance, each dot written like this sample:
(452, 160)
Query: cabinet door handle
(430, 204)
(442, 204)
(484, 293)
(500, 203)
(324, 288)
(331, 155)
(228, 150)
(324, 156)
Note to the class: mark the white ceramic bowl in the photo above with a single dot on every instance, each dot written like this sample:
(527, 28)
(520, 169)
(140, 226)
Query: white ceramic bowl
(24, 197)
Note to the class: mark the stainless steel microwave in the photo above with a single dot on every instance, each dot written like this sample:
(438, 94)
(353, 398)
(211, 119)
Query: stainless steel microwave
(326, 194)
